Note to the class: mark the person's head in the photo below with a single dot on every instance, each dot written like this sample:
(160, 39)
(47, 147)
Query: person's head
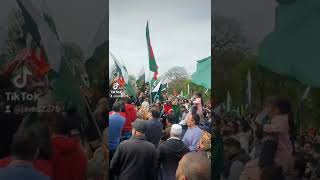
(277, 106)
(198, 95)
(183, 108)
(129, 100)
(194, 166)
(307, 148)
(170, 119)
(193, 120)
(102, 104)
(234, 127)
(273, 172)
(117, 107)
(244, 126)
(205, 141)
(268, 153)
(231, 147)
(176, 131)
(25, 144)
(138, 128)
(155, 113)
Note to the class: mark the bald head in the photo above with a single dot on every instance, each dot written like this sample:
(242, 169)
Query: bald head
(194, 166)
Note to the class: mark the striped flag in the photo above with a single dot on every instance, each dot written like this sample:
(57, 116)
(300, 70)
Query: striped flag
(121, 68)
(152, 61)
(40, 25)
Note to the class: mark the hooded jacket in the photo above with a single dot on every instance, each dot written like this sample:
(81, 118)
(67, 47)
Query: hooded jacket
(131, 116)
(169, 154)
(68, 159)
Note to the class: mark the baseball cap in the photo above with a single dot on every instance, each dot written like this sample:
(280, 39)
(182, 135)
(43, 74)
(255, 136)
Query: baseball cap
(139, 125)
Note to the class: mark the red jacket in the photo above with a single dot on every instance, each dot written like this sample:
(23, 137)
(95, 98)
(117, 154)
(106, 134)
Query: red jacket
(166, 108)
(131, 116)
(68, 159)
(43, 166)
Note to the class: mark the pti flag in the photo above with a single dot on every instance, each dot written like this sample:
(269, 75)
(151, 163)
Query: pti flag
(152, 61)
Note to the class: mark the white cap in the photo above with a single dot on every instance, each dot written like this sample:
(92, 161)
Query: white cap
(176, 130)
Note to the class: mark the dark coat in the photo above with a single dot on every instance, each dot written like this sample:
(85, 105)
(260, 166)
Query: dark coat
(169, 154)
(135, 159)
(154, 131)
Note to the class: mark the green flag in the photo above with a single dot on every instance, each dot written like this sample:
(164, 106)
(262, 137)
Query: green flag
(152, 61)
(40, 25)
(66, 88)
(141, 78)
(202, 76)
(292, 48)
(97, 61)
(130, 90)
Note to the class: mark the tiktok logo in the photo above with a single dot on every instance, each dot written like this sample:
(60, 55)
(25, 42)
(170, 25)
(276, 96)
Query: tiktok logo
(20, 78)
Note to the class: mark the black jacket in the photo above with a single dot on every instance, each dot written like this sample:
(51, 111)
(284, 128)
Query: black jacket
(135, 159)
(169, 154)
(154, 131)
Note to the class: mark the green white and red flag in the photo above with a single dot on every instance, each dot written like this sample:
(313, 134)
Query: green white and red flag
(152, 61)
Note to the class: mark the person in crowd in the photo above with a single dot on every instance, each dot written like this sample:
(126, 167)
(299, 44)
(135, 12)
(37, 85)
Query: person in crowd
(245, 135)
(198, 101)
(280, 128)
(154, 127)
(98, 165)
(273, 172)
(254, 168)
(24, 150)
(193, 134)
(145, 104)
(116, 123)
(194, 166)
(170, 152)
(184, 112)
(131, 116)
(166, 131)
(69, 161)
(235, 159)
(217, 155)
(166, 107)
(205, 144)
(135, 159)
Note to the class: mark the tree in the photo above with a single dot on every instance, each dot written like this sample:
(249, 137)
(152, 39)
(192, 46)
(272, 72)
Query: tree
(176, 73)
(228, 35)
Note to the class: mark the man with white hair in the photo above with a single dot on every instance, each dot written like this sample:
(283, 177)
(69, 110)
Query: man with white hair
(170, 152)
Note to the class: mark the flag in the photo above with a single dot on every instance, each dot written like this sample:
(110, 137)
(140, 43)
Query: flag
(66, 89)
(306, 93)
(229, 102)
(249, 88)
(41, 27)
(121, 68)
(152, 61)
(130, 90)
(292, 49)
(96, 62)
(157, 88)
(202, 76)
(141, 77)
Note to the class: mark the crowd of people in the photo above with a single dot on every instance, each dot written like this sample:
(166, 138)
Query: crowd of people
(160, 141)
(264, 145)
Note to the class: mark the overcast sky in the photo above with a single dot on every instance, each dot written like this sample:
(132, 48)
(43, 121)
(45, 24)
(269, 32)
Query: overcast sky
(76, 20)
(256, 16)
(180, 32)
